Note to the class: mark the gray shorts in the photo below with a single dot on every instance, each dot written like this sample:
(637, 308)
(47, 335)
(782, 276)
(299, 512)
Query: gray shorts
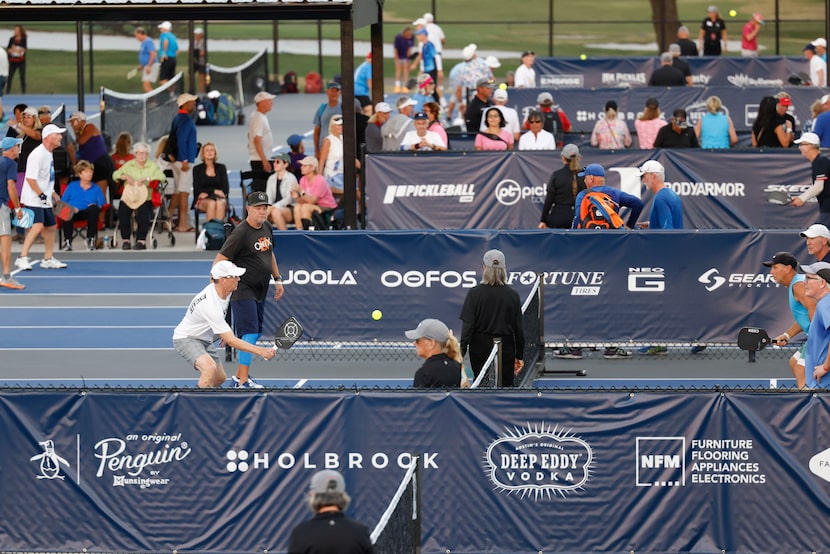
(5, 220)
(191, 349)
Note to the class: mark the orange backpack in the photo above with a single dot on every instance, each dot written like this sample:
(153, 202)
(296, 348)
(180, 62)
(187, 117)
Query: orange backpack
(598, 211)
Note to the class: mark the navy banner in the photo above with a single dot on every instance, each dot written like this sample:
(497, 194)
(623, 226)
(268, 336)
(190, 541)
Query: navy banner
(772, 71)
(620, 286)
(488, 190)
(502, 473)
(584, 106)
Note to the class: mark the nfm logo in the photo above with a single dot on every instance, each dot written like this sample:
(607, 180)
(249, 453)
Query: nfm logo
(661, 461)
(646, 279)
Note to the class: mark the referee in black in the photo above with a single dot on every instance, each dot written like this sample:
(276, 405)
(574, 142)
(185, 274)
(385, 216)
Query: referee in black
(493, 309)
(329, 531)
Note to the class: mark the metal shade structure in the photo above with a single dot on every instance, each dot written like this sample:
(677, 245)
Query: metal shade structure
(351, 14)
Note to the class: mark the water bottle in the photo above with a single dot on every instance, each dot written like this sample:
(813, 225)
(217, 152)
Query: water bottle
(106, 243)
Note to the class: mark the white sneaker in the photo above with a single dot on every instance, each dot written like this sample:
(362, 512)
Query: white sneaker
(249, 384)
(24, 263)
(52, 263)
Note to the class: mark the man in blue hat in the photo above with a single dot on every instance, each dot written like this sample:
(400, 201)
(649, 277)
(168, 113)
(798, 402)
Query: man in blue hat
(8, 172)
(595, 182)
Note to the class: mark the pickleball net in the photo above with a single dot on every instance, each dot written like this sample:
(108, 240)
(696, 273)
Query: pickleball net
(147, 116)
(399, 528)
(533, 310)
(242, 82)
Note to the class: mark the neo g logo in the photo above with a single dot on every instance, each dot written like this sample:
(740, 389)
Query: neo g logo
(712, 280)
(509, 192)
(646, 279)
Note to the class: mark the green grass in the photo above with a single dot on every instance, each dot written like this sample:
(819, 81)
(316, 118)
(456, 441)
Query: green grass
(492, 25)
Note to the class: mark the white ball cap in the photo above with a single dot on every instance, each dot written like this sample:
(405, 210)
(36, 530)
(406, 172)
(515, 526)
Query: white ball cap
(652, 166)
(166, 25)
(809, 138)
(51, 130)
(226, 268)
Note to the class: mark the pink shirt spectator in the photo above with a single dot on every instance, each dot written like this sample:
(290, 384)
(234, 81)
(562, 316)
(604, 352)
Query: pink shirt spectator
(647, 131)
(489, 144)
(319, 187)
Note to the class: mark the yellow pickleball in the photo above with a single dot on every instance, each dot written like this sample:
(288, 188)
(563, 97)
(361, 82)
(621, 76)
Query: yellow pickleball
(377, 314)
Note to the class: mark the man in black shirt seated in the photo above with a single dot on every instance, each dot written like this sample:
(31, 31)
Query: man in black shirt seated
(677, 134)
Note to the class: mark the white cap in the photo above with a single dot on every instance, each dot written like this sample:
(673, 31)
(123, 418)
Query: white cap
(226, 268)
(51, 130)
(492, 62)
(809, 138)
(165, 25)
(198, 31)
(819, 42)
(262, 95)
(469, 51)
(652, 166)
(419, 21)
(383, 107)
(825, 98)
(428, 17)
(816, 230)
(500, 95)
(405, 101)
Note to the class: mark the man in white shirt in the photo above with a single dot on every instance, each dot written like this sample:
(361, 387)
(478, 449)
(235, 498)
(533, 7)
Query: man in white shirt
(204, 318)
(525, 76)
(39, 194)
(511, 116)
(537, 138)
(260, 141)
(421, 139)
(818, 67)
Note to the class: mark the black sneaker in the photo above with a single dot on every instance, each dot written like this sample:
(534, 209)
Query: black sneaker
(140, 245)
(67, 246)
(568, 353)
(90, 244)
(615, 353)
(126, 245)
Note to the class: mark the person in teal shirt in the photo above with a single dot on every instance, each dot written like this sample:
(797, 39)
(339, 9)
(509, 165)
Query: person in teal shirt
(168, 47)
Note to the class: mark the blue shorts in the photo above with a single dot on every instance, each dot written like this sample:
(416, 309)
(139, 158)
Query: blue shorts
(247, 317)
(45, 216)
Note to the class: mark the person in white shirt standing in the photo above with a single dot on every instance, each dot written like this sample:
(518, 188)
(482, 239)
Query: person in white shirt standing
(39, 194)
(205, 318)
(260, 141)
(436, 36)
(818, 67)
(525, 76)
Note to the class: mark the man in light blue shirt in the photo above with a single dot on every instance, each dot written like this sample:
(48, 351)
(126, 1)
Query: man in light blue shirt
(168, 47)
(666, 209)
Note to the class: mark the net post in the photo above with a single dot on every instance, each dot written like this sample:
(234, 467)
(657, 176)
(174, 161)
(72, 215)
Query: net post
(498, 362)
(417, 497)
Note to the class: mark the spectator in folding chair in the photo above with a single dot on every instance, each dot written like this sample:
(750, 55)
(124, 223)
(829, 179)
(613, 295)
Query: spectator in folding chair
(312, 194)
(279, 187)
(137, 176)
(210, 184)
(86, 201)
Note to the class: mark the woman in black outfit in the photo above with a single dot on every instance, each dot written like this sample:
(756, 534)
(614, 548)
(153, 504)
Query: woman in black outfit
(563, 186)
(16, 50)
(767, 130)
(493, 309)
(210, 184)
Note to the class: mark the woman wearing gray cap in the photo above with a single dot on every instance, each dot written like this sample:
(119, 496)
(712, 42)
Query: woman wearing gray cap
(562, 188)
(436, 344)
(493, 309)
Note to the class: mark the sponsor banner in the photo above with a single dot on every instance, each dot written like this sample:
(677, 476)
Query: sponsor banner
(490, 190)
(229, 472)
(584, 106)
(642, 286)
(772, 71)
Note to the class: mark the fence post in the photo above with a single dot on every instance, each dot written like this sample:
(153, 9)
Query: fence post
(498, 364)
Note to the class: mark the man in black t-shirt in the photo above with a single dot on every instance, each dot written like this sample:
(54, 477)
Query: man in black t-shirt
(330, 531)
(808, 144)
(481, 100)
(251, 245)
(677, 134)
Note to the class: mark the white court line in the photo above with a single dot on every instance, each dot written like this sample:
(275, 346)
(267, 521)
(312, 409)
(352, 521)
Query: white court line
(121, 277)
(300, 384)
(119, 307)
